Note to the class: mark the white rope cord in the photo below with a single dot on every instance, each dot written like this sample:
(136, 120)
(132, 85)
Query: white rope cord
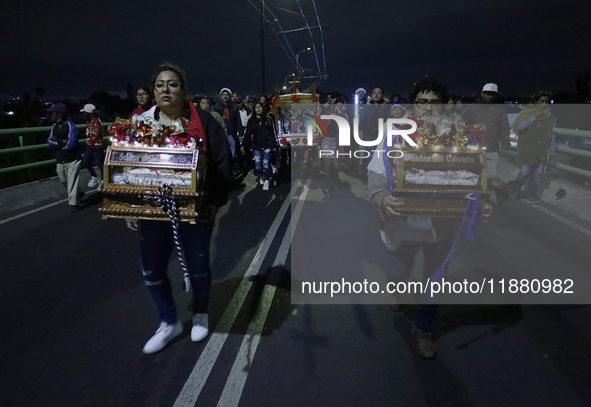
(169, 206)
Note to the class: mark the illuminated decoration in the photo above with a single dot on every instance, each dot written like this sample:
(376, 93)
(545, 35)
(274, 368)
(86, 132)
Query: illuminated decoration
(148, 132)
(445, 133)
(295, 98)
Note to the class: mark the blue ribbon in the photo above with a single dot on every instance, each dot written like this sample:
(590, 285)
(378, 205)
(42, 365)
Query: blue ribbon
(472, 205)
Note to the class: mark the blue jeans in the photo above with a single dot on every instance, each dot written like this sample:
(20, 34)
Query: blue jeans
(262, 159)
(533, 173)
(89, 152)
(402, 263)
(232, 144)
(156, 246)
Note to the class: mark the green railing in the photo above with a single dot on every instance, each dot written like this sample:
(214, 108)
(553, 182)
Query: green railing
(23, 132)
(29, 131)
(586, 134)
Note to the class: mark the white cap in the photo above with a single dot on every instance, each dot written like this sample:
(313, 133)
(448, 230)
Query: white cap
(225, 89)
(361, 90)
(490, 87)
(88, 108)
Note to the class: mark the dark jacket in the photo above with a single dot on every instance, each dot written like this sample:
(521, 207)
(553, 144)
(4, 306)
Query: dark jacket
(535, 139)
(262, 132)
(231, 116)
(219, 154)
(64, 137)
(370, 116)
(494, 116)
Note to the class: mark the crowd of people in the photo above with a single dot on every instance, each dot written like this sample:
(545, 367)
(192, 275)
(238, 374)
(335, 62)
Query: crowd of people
(241, 135)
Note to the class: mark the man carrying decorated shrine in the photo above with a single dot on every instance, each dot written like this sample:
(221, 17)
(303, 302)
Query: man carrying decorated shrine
(405, 235)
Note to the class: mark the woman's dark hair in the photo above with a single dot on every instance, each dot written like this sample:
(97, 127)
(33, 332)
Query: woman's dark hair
(339, 99)
(265, 110)
(167, 66)
(145, 87)
(197, 100)
(267, 103)
(537, 96)
(429, 85)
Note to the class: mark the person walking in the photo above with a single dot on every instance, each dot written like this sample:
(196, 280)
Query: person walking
(63, 137)
(94, 145)
(156, 237)
(535, 143)
(261, 130)
(486, 111)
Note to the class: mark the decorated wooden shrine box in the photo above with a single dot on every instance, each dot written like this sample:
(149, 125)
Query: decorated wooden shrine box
(434, 181)
(134, 173)
(293, 114)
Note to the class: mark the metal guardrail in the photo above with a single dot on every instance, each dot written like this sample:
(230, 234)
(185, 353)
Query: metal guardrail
(564, 167)
(572, 132)
(29, 131)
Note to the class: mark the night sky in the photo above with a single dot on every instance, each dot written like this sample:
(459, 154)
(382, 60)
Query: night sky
(78, 47)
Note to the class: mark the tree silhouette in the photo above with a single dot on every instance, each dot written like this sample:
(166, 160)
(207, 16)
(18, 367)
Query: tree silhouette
(130, 92)
(39, 91)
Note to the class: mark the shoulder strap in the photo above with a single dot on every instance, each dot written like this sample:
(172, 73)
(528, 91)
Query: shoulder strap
(196, 127)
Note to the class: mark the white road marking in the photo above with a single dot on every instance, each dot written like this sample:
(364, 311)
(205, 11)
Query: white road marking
(196, 381)
(239, 373)
(88, 193)
(32, 211)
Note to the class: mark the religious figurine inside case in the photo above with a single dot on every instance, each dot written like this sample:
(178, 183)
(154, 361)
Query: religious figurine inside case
(143, 157)
(445, 169)
(434, 182)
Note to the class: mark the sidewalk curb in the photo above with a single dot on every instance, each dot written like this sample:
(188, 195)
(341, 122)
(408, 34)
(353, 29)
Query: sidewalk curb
(25, 195)
(566, 195)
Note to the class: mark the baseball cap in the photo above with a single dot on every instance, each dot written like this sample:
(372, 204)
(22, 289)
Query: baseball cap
(88, 108)
(490, 87)
(398, 103)
(225, 90)
(58, 107)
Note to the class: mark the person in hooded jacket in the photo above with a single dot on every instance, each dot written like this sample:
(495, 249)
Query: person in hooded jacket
(230, 113)
(64, 138)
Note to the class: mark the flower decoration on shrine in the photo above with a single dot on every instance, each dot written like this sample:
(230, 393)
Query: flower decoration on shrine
(295, 98)
(148, 132)
(274, 101)
(445, 133)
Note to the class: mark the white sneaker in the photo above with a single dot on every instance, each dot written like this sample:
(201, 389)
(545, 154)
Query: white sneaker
(266, 185)
(200, 328)
(164, 334)
(261, 181)
(274, 169)
(94, 183)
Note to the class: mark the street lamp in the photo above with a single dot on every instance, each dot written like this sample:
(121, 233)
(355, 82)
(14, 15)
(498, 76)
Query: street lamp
(298, 61)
